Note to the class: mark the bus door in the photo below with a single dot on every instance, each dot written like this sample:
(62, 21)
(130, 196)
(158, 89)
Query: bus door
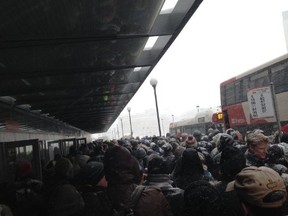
(54, 149)
(20, 150)
(65, 145)
(226, 119)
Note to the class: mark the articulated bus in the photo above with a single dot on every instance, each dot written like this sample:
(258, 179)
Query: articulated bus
(239, 106)
(202, 121)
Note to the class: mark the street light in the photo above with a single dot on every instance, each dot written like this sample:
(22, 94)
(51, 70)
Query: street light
(122, 127)
(131, 132)
(118, 132)
(154, 82)
(173, 120)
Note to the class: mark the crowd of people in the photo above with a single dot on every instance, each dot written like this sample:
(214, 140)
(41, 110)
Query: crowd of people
(209, 174)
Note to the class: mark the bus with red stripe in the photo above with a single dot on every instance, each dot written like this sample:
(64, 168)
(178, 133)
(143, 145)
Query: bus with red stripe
(237, 97)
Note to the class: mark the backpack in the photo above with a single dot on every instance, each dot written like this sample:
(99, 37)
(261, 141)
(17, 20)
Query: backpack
(27, 191)
(145, 200)
(129, 210)
(152, 202)
(65, 200)
(25, 196)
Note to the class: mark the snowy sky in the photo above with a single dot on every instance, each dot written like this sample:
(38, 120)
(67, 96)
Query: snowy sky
(222, 39)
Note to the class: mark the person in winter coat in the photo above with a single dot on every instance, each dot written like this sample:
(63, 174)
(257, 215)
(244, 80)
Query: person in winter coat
(158, 176)
(201, 198)
(124, 175)
(257, 152)
(189, 168)
(62, 197)
(25, 192)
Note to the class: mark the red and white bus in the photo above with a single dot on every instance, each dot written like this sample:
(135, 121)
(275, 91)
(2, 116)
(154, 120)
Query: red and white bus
(236, 101)
(202, 121)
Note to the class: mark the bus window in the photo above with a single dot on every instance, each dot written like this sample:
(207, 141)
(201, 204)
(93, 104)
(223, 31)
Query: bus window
(281, 79)
(245, 88)
(260, 79)
(229, 94)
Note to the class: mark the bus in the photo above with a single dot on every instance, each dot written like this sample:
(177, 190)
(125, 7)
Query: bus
(238, 103)
(202, 121)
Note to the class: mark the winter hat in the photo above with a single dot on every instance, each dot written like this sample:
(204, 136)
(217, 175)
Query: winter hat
(229, 131)
(120, 166)
(285, 128)
(212, 134)
(257, 130)
(197, 134)
(284, 137)
(259, 186)
(140, 153)
(64, 167)
(232, 161)
(167, 147)
(81, 160)
(91, 173)
(191, 162)
(134, 142)
(179, 151)
(190, 140)
(275, 152)
(128, 146)
(174, 145)
(157, 165)
(224, 141)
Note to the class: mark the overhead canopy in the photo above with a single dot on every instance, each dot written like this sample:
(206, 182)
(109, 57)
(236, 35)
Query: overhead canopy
(81, 61)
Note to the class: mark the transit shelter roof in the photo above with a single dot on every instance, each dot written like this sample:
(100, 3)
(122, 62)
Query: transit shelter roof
(81, 61)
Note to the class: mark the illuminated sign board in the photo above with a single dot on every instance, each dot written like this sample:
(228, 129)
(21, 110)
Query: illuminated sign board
(219, 116)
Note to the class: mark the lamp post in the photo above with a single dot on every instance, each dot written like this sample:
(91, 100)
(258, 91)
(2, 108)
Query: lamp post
(122, 127)
(154, 82)
(173, 120)
(131, 132)
(118, 132)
